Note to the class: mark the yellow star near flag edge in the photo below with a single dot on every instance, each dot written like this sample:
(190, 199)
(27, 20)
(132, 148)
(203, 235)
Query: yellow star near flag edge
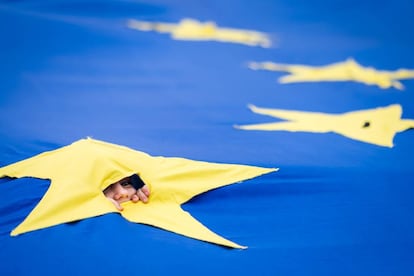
(376, 126)
(348, 70)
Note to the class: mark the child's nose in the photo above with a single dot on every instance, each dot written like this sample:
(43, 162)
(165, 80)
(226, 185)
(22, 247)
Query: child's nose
(122, 193)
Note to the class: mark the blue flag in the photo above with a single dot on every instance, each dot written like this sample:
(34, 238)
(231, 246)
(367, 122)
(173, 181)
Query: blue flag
(322, 90)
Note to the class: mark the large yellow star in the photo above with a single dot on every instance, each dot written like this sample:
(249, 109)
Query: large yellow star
(79, 173)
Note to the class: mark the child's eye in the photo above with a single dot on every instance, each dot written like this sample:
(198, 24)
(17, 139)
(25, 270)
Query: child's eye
(124, 184)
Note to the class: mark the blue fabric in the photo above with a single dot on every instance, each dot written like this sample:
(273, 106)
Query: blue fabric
(71, 69)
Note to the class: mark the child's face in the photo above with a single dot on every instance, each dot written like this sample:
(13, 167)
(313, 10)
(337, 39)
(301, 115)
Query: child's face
(120, 191)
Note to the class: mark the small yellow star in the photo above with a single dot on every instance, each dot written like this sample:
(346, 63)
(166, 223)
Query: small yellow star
(348, 70)
(81, 171)
(192, 29)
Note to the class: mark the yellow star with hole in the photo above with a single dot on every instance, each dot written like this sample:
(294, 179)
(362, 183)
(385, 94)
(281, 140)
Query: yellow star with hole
(377, 126)
(81, 171)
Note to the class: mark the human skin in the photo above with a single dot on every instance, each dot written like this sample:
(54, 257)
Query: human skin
(123, 191)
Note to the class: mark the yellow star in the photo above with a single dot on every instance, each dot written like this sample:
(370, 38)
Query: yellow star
(191, 29)
(348, 70)
(377, 126)
(81, 171)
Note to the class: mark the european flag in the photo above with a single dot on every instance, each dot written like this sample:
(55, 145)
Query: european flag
(190, 79)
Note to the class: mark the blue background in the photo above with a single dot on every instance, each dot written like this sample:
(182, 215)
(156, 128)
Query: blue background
(71, 69)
